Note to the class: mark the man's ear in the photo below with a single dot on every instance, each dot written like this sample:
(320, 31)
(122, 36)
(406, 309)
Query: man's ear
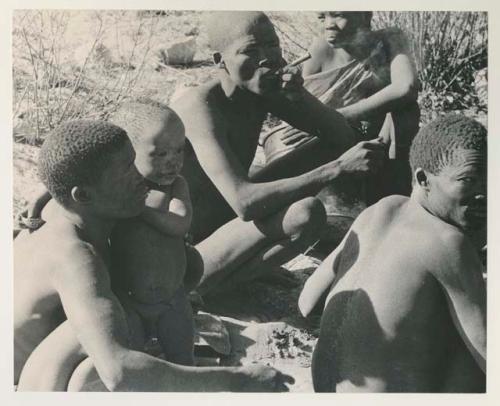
(80, 195)
(421, 178)
(218, 60)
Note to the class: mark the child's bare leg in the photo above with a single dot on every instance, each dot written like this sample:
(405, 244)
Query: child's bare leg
(176, 330)
(248, 247)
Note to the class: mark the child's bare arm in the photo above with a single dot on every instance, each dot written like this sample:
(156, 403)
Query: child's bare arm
(465, 291)
(37, 202)
(170, 215)
(36, 205)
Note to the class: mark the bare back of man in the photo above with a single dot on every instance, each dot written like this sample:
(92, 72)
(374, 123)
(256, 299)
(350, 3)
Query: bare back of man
(390, 320)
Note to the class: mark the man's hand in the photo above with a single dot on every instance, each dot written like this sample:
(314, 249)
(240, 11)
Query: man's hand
(291, 82)
(260, 378)
(364, 157)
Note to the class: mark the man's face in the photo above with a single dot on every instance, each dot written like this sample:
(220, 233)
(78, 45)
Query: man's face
(121, 191)
(457, 194)
(252, 58)
(340, 26)
(160, 153)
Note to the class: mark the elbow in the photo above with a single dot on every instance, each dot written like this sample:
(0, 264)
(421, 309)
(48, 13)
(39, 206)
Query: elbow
(246, 207)
(246, 211)
(114, 380)
(408, 91)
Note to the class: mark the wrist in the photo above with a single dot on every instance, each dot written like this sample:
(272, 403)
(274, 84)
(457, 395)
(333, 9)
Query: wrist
(332, 170)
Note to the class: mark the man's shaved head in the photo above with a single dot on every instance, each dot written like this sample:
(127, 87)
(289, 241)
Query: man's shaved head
(223, 27)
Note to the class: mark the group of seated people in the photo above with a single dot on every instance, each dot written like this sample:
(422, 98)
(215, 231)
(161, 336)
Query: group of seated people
(140, 210)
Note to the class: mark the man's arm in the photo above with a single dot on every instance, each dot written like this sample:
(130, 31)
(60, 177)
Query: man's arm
(307, 113)
(464, 286)
(208, 136)
(177, 219)
(101, 327)
(318, 282)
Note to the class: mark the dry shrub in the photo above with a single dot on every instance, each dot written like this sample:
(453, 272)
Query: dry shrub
(66, 68)
(83, 64)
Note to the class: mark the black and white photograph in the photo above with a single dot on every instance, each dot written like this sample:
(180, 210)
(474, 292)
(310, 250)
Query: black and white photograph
(239, 200)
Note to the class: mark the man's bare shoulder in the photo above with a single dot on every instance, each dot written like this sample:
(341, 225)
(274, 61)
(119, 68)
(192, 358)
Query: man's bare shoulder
(57, 250)
(384, 210)
(197, 99)
(200, 110)
(456, 251)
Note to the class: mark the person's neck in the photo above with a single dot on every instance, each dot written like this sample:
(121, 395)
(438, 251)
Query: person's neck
(91, 228)
(234, 93)
(361, 45)
(418, 198)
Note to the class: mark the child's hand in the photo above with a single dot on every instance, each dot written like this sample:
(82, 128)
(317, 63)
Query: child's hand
(24, 221)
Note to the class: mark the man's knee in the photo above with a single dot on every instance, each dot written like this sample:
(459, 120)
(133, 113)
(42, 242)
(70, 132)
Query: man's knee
(309, 219)
(86, 379)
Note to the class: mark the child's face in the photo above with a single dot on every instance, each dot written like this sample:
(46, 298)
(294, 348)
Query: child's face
(457, 194)
(252, 59)
(160, 154)
(339, 26)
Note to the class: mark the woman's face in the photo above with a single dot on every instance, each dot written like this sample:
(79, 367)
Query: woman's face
(341, 26)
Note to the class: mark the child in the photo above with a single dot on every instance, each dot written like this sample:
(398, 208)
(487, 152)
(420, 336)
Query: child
(406, 311)
(153, 268)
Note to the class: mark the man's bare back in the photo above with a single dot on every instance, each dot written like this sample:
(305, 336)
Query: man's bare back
(407, 308)
(387, 309)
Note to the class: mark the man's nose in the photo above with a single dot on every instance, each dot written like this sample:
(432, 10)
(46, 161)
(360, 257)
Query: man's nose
(330, 23)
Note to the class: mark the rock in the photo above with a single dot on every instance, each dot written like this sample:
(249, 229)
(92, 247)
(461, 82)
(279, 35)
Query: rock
(179, 53)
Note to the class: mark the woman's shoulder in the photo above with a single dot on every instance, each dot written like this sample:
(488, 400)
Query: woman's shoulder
(395, 40)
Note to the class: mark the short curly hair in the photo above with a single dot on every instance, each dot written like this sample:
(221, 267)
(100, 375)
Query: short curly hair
(437, 143)
(76, 153)
(136, 115)
(223, 27)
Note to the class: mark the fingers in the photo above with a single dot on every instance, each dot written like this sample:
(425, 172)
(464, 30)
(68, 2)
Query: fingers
(282, 381)
(294, 137)
(288, 378)
(375, 144)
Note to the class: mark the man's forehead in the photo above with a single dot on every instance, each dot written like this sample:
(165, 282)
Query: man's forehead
(261, 31)
(466, 160)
